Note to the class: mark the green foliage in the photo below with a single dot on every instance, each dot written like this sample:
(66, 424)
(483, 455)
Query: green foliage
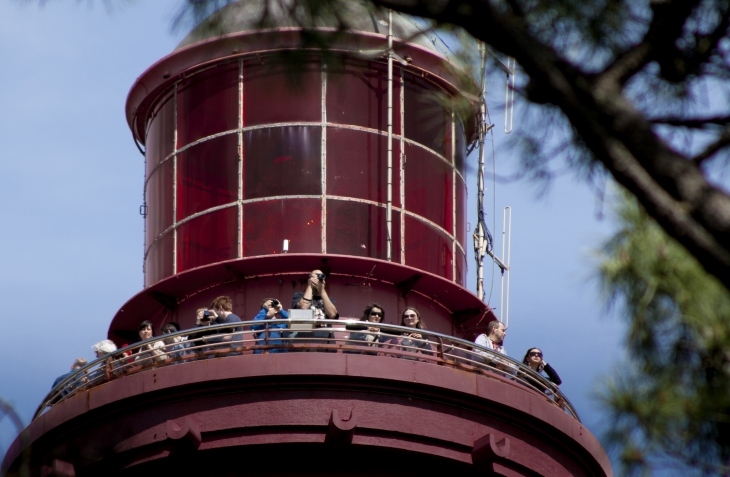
(670, 404)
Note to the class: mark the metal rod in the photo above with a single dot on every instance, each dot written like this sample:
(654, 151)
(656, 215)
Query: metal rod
(144, 228)
(479, 236)
(507, 217)
(402, 167)
(240, 158)
(174, 185)
(506, 239)
(453, 194)
(324, 158)
(509, 96)
(389, 199)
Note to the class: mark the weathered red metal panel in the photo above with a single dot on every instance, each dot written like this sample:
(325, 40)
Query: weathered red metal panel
(247, 401)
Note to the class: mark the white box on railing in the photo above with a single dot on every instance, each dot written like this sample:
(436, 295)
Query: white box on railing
(301, 315)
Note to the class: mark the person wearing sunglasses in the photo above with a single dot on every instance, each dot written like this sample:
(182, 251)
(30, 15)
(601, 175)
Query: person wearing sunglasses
(373, 314)
(533, 358)
(413, 341)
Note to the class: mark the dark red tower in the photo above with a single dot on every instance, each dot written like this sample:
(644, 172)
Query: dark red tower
(356, 158)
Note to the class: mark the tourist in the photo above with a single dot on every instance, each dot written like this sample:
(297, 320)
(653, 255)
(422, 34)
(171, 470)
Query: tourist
(271, 309)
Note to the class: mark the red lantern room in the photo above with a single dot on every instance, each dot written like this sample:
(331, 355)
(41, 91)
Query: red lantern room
(244, 152)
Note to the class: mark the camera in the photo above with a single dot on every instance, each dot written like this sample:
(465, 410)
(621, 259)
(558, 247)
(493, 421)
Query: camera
(321, 277)
(206, 315)
(274, 303)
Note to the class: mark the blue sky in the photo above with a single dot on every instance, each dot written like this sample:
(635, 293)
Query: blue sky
(71, 246)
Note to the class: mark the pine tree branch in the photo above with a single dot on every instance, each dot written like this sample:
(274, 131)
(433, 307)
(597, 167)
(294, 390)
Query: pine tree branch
(682, 65)
(721, 142)
(665, 28)
(694, 123)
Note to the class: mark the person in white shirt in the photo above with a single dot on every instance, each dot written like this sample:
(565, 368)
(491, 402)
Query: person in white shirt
(493, 339)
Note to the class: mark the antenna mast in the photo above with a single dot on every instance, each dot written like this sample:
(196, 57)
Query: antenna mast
(483, 242)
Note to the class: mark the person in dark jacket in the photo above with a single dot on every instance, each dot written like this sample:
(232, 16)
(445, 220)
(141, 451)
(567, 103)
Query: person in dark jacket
(78, 364)
(534, 359)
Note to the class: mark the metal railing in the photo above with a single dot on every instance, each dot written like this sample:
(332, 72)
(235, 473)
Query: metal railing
(302, 335)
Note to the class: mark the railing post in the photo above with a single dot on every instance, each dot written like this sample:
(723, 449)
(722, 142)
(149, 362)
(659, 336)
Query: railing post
(108, 368)
(266, 336)
(440, 348)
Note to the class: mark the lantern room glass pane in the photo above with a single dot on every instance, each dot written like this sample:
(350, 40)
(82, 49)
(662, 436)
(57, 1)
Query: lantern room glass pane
(160, 133)
(282, 161)
(428, 186)
(357, 94)
(277, 93)
(460, 211)
(158, 264)
(461, 268)
(427, 248)
(210, 238)
(357, 165)
(427, 119)
(268, 223)
(159, 201)
(207, 175)
(207, 103)
(355, 228)
(460, 160)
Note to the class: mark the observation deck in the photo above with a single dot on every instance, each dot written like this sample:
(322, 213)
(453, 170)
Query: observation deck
(269, 402)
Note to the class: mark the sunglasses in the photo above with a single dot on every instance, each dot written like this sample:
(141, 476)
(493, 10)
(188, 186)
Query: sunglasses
(375, 313)
(536, 353)
(412, 315)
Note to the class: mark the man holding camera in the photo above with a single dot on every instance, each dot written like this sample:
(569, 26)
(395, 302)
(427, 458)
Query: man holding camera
(315, 297)
(220, 311)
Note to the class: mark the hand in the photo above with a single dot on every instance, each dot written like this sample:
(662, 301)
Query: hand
(415, 335)
(316, 285)
(373, 329)
(279, 307)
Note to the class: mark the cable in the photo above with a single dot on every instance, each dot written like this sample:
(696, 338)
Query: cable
(494, 193)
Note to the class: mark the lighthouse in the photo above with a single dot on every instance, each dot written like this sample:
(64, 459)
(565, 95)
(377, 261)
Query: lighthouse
(266, 157)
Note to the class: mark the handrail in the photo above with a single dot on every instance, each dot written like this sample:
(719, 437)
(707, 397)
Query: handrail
(391, 340)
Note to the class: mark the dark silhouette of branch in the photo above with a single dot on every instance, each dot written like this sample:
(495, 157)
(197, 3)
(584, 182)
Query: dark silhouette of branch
(721, 142)
(665, 27)
(694, 123)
